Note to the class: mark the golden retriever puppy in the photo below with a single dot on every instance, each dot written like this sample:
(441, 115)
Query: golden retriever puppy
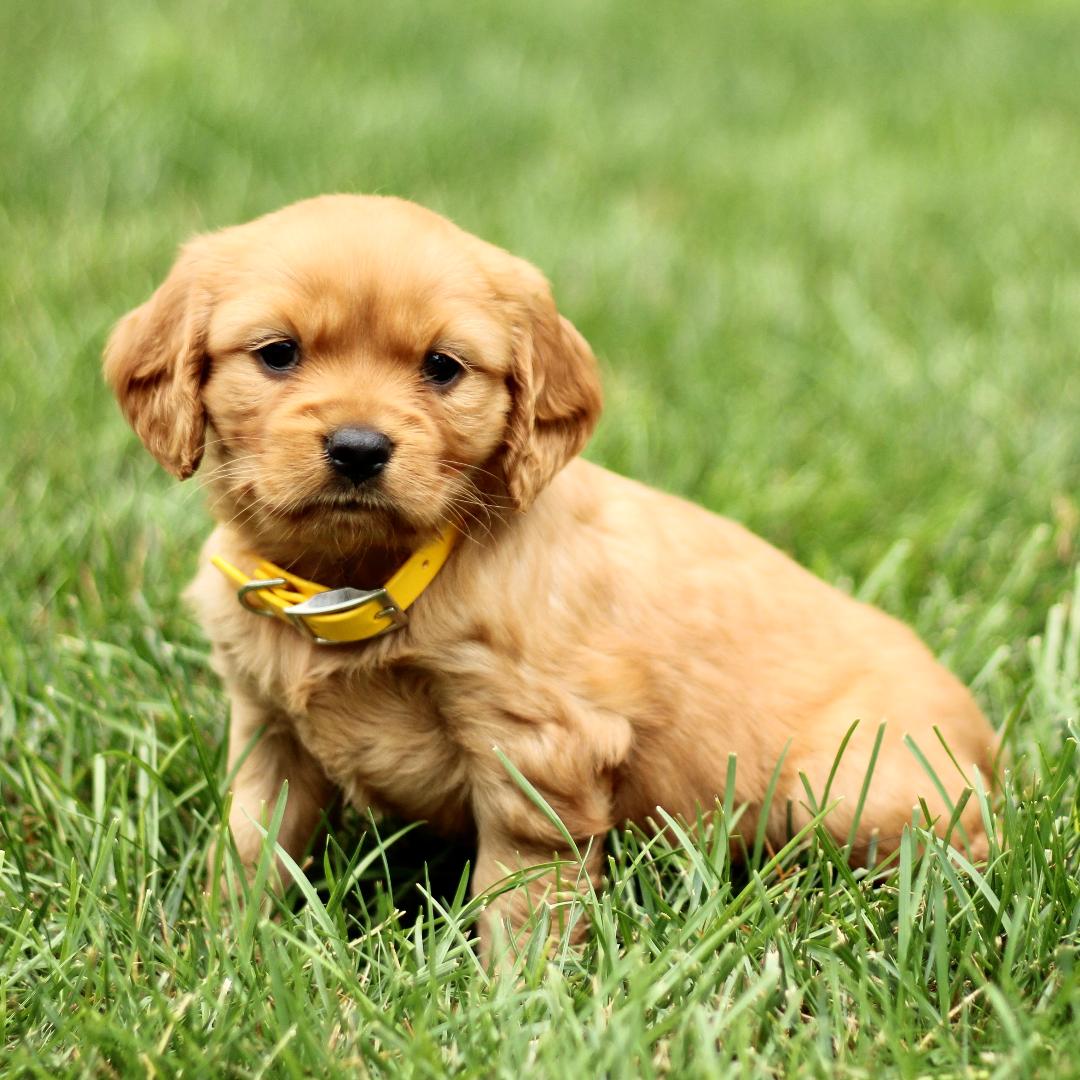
(389, 412)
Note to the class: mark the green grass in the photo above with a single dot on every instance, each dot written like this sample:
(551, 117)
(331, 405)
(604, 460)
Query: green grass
(828, 255)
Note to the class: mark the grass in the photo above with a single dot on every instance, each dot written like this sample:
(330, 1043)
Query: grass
(827, 254)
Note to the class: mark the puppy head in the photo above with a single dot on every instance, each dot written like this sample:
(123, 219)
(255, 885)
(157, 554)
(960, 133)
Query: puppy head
(356, 369)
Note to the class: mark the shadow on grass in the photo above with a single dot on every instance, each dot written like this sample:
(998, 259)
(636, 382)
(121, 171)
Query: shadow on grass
(407, 862)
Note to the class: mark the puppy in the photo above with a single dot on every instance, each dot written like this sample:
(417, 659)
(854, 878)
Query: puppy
(389, 413)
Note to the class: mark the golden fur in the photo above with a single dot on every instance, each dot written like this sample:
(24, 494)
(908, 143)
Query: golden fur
(616, 643)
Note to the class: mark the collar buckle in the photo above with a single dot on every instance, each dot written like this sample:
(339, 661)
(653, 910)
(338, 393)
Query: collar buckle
(337, 601)
(245, 591)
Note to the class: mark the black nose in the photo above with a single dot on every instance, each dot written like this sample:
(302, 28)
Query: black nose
(358, 453)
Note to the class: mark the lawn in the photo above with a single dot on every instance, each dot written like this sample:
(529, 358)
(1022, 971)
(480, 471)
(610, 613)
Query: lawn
(829, 255)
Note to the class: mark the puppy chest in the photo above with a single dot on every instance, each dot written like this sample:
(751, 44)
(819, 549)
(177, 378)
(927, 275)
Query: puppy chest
(383, 739)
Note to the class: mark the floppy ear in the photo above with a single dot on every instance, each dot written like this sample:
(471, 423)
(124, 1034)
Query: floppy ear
(154, 362)
(555, 395)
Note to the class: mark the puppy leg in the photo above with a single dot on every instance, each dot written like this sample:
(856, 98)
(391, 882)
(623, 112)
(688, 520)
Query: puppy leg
(897, 784)
(509, 919)
(258, 770)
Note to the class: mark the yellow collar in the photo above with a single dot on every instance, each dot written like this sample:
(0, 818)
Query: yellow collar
(338, 616)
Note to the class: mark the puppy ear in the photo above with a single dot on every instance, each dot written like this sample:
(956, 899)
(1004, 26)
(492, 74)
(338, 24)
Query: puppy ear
(154, 362)
(556, 396)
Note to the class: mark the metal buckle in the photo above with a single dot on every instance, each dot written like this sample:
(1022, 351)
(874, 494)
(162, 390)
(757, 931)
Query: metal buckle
(255, 586)
(335, 601)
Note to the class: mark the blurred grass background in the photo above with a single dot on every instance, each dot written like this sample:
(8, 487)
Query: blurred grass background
(826, 252)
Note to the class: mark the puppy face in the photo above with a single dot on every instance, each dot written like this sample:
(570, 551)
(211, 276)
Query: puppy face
(356, 369)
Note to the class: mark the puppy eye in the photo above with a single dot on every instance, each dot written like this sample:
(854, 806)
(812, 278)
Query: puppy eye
(279, 355)
(441, 369)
